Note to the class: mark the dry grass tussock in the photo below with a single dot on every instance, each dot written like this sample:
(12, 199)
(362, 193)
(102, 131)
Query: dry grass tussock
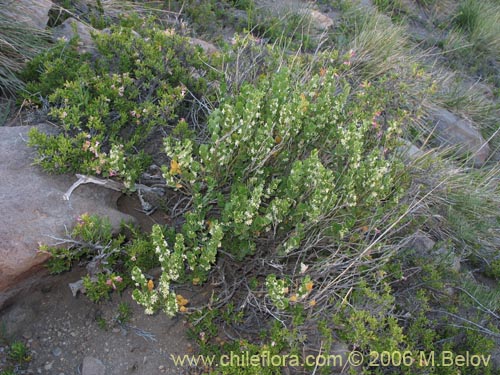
(18, 43)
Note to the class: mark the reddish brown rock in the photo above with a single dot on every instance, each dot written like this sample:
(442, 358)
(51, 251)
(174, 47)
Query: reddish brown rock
(32, 209)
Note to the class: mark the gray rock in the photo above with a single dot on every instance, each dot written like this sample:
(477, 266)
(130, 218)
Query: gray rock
(16, 318)
(57, 351)
(461, 134)
(34, 13)
(93, 366)
(409, 151)
(33, 209)
(421, 243)
(366, 4)
(69, 28)
(319, 21)
(207, 47)
(425, 247)
(448, 258)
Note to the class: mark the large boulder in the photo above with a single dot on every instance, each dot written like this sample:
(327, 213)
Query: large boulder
(34, 13)
(461, 134)
(71, 27)
(33, 210)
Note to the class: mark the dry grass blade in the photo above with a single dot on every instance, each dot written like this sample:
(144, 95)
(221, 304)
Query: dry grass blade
(18, 43)
(378, 46)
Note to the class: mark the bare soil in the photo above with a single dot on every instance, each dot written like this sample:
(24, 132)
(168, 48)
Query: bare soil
(61, 330)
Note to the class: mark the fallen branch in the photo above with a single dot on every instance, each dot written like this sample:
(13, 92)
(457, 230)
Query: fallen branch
(109, 184)
(82, 179)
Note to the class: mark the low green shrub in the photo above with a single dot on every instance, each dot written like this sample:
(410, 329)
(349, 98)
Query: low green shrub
(19, 352)
(285, 159)
(113, 256)
(106, 107)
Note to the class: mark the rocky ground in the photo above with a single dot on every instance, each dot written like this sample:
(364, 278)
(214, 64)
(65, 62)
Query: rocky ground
(68, 335)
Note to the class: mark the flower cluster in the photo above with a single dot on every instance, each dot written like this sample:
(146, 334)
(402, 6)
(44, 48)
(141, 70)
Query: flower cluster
(281, 292)
(277, 289)
(172, 263)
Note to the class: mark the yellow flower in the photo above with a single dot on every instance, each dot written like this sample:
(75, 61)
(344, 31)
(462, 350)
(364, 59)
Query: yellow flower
(312, 303)
(181, 301)
(309, 286)
(293, 298)
(174, 167)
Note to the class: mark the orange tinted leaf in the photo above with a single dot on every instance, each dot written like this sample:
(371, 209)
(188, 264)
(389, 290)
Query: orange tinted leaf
(151, 285)
(181, 301)
(309, 286)
(174, 167)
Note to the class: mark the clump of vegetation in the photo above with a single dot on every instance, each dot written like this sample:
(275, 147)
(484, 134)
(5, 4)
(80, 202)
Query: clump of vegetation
(106, 108)
(480, 19)
(18, 357)
(109, 257)
(473, 44)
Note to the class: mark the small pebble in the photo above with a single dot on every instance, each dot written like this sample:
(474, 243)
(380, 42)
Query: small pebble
(57, 352)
